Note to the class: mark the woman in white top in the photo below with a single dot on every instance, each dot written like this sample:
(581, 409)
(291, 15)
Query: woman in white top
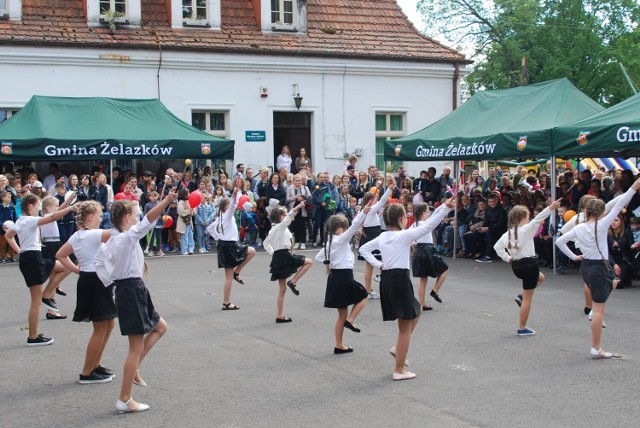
(591, 237)
(426, 262)
(94, 301)
(121, 262)
(371, 231)
(517, 248)
(32, 265)
(232, 256)
(284, 159)
(397, 298)
(342, 290)
(283, 263)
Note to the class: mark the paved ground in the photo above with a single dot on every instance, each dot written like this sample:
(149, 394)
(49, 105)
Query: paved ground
(223, 369)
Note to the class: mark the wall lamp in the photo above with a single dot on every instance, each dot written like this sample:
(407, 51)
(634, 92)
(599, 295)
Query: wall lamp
(297, 99)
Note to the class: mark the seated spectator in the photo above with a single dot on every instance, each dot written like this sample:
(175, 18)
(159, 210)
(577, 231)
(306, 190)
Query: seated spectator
(473, 239)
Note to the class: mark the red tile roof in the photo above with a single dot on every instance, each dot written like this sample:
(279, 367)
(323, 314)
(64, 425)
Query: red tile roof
(376, 29)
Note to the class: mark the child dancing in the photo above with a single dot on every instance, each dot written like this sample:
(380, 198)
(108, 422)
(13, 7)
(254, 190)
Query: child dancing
(121, 262)
(591, 237)
(283, 263)
(517, 248)
(232, 256)
(94, 301)
(426, 263)
(396, 291)
(33, 267)
(342, 290)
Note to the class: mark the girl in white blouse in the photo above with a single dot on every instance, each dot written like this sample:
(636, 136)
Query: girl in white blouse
(121, 262)
(517, 248)
(232, 256)
(342, 289)
(283, 263)
(94, 301)
(33, 267)
(591, 237)
(396, 291)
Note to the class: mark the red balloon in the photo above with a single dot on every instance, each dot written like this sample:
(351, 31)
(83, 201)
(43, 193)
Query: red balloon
(242, 200)
(168, 221)
(119, 196)
(194, 199)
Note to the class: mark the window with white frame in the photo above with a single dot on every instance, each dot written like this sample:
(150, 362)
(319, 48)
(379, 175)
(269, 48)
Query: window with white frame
(283, 14)
(4, 9)
(6, 114)
(195, 12)
(388, 126)
(118, 6)
(213, 122)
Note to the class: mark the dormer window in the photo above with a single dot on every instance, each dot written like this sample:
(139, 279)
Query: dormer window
(127, 12)
(283, 14)
(195, 12)
(118, 6)
(11, 9)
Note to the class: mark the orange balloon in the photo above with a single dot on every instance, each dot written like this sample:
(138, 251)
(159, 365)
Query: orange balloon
(374, 190)
(168, 221)
(568, 215)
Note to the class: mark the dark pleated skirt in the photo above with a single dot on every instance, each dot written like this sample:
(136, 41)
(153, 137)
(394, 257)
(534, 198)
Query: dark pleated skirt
(342, 290)
(284, 264)
(49, 250)
(34, 268)
(396, 296)
(426, 262)
(231, 254)
(136, 312)
(95, 301)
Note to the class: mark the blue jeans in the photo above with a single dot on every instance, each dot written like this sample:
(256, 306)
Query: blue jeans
(200, 231)
(186, 240)
(462, 229)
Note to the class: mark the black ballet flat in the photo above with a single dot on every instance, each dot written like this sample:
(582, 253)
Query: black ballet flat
(60, 292)
(351, 327)
(427, 308)
(55, 317)
(342, 351)
(283, 320)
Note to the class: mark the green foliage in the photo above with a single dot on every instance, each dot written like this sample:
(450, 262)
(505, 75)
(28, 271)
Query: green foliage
(111, 18)
(517, 42)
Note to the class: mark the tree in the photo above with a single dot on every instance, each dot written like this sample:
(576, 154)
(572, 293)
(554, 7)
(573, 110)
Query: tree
(517, 42)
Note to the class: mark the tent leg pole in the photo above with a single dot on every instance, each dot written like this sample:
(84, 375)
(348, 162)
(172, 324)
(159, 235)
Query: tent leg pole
(456, 169)
(111, 171)
(553, 213)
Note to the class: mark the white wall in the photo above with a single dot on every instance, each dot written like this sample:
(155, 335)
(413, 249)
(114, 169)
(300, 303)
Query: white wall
(341, 95)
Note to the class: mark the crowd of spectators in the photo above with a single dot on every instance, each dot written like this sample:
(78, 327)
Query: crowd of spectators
(481, 217)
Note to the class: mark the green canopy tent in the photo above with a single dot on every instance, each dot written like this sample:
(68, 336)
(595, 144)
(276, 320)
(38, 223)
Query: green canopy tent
(499, 124)
(62, 128)
(614, 132)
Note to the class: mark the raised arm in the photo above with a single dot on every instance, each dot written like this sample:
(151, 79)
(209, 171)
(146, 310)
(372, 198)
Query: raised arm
(355, 226)
(154, 213)
(410, 235)
(621, 203)
(56, 215)
(383, 200)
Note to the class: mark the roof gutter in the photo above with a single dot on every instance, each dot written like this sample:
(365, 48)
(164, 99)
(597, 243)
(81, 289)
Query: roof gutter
(456, 77)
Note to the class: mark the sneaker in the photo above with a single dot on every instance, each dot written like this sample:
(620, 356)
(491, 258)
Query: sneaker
(3, 261)
(303, 246)
(519, 300)
(161, 253)
(39, 341)
(11, 260)
(297, 246)
(49, 304)
(525, 332)
(373, 295)
(485, 259)
(314, 244)
(599, 354)
(104, 371)
(377, 278)
(201, 251)
(94, 378)
(149, 254)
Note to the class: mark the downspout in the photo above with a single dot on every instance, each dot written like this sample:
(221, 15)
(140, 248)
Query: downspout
(159, 64)
(456, 77)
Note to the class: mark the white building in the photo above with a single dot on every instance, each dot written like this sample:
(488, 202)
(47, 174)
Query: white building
(233, 67)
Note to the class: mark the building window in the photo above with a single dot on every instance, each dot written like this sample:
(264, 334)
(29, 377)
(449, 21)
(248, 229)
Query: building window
(213, 122)
(388, 127)
(114, 5)
(4, 9)
(6, 114)
(283, 14)
(195, 12)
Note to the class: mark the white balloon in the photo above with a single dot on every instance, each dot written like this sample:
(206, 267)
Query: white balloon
(418, 198)
(7, 225)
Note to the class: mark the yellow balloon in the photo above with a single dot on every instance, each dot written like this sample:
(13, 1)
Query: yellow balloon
(187, 162)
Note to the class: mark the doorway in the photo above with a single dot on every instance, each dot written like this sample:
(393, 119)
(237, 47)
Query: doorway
(292, 129)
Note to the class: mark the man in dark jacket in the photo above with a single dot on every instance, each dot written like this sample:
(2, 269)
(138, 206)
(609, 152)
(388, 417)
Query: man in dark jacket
(494, 226)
